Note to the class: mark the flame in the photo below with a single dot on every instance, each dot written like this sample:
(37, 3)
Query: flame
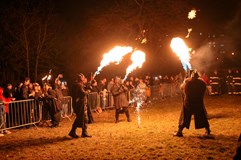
(192, 14)
(138, 58)
(189, 31)
(115, 55)
(182, 51)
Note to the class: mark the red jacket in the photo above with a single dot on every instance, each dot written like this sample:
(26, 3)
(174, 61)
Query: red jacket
(5, 100)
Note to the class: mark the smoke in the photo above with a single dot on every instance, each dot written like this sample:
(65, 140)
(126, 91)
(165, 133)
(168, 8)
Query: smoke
(203, 58)
(232, 30)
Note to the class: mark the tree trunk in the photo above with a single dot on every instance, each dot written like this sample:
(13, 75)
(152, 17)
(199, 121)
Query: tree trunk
(41, 40)
(26, 44)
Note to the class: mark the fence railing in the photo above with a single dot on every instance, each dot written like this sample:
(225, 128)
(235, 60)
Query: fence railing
(29, 112)
(21, 113)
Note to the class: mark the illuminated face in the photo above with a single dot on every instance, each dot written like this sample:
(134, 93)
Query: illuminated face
(10, 87)
(117, 80)
(84, 80)
(58, 82)
(104, 80)
(27, 82)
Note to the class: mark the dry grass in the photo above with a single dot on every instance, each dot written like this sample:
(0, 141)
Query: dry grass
(154, 140)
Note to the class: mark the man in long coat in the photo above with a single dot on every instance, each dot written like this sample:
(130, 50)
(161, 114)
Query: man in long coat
(80, 107)
(194, 91)
(119, 92)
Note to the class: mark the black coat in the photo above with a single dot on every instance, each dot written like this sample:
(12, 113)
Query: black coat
(193, 104)
(79, 95)
(52, 102)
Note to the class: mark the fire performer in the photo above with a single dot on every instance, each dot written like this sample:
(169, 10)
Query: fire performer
(194, 91)
(80, 107)
(119, 90)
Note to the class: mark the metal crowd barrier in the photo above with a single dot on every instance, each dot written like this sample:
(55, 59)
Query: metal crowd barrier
(29, 112)
(21, 113)
(67, 111)
(155, 92)
(104, 100)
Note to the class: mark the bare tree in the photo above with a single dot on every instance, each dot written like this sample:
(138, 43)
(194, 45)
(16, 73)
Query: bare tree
(130, 18)
(29, 29)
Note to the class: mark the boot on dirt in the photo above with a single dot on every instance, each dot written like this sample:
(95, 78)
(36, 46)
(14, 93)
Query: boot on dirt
(85, 134)
(73, 134)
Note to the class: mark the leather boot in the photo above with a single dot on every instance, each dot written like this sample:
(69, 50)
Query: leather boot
(72, 133)
(179, 132)
(85, 134)
(207, 131)
(128, 115)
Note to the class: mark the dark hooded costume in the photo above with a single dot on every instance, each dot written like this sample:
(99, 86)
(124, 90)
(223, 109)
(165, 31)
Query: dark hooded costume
(194, 90)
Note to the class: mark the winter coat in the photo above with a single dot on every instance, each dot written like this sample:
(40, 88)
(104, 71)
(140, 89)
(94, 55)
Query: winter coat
(79, 95)
(120, 96)
(51, 101)
(194, 91)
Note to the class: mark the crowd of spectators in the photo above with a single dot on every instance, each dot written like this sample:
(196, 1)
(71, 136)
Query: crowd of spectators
(52, 95)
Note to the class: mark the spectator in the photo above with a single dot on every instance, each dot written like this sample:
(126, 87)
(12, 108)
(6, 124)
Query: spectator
(25, 89)
(17, 93)
(51, 103)
(38, 95)
(94, 86)
(142, 87)
(31, 92)
(110, 84)
(3, 112)
(65, 103)
(102, 84)
(8, 92)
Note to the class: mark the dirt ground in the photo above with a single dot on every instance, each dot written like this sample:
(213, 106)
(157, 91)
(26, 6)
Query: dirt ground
(124, 140)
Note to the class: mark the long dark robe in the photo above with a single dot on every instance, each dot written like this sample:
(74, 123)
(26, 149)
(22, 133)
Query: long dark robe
(80, 105)
(194, 91)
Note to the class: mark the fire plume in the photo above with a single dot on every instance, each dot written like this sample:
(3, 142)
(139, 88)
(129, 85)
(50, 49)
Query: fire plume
(138, 58)
(182, 51)
(115, 55)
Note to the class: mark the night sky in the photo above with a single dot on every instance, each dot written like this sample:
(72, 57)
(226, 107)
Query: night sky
(82, 49)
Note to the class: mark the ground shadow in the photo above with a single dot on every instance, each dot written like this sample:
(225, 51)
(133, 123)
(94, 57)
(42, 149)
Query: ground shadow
(218, 115)
(32, 142)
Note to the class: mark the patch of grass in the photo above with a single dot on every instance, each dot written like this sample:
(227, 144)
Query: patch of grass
(153, 140)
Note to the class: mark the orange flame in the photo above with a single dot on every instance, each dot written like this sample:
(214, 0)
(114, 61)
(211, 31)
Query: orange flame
(138, 58)
(115, 55)
(182, 51)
